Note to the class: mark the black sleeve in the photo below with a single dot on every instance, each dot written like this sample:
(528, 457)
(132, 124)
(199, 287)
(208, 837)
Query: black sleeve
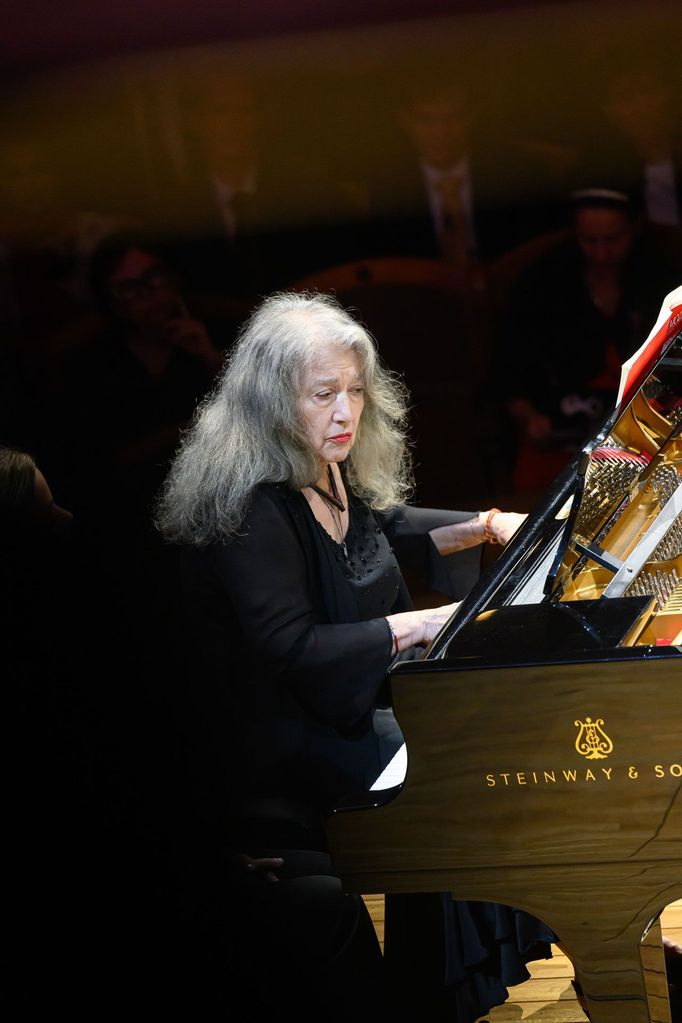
(408, 531)
(335, 670)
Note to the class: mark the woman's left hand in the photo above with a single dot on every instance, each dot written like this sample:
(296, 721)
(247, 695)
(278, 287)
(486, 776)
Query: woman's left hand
(501, 526)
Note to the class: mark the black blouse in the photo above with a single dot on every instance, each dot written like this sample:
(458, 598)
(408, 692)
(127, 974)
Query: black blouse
(366, 563)
(291, 639)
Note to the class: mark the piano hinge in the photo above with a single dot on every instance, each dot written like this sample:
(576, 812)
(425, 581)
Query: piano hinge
(595, 553)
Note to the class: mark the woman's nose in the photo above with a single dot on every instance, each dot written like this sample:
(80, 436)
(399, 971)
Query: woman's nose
(342, 407)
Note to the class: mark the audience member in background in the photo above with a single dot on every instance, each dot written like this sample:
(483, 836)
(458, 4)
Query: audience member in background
(132, 390)
(37, 550)
(125, 402)
(250, 214)
(459, 193)
(52, 837)
(107, 861)
(571, 320)
(639, 147)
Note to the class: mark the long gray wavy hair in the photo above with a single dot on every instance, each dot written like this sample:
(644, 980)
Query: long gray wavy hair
(249, 430)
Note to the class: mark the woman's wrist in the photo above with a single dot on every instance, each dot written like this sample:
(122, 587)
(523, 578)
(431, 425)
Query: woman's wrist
(477, 528)
(394, 639)
(488, 533)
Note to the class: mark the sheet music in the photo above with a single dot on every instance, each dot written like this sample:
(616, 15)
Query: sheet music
(394, 772)
(670, 316)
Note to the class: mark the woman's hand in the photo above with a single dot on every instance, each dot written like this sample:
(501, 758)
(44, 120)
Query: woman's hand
(412, 628)
(501, 526)
(493, 525)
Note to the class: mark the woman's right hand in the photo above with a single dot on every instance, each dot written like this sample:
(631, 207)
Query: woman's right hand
(412, 628)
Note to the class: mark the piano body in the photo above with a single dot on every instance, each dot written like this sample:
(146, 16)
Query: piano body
(543, 725)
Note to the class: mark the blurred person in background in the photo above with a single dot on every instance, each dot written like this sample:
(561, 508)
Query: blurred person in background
(250, 213)
(129, 392)
(460, 193)
(638, 144)
(570, 321)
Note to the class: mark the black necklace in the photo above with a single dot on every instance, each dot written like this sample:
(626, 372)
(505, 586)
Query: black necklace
(336, 506)
(333, 498)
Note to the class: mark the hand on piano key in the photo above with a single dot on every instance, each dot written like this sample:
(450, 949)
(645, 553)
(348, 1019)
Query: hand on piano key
(415, 628)
(502, 525)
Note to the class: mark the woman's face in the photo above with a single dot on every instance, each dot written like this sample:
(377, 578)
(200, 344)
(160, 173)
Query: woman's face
(332, 399)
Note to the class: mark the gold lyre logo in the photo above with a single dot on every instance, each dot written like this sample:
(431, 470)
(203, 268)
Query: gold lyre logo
(592, 742)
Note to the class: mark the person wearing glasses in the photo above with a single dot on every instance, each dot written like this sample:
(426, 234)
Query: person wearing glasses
(133, 387)
(142, 298)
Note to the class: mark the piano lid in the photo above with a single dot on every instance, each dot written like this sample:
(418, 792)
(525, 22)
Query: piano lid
(609, 529)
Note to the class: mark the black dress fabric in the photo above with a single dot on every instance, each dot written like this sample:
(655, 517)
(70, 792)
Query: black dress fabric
(290, 652)
(453, 959)
(291, 649)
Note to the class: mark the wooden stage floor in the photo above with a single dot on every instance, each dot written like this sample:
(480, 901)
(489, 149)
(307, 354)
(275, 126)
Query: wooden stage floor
(548, 996)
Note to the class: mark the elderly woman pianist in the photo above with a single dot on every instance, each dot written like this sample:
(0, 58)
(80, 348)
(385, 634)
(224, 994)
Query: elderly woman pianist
(287, 497)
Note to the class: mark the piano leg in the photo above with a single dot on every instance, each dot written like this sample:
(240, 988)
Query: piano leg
(654, 970)
(613, 987)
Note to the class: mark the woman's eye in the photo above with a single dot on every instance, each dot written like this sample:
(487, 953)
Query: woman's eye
(323, 395)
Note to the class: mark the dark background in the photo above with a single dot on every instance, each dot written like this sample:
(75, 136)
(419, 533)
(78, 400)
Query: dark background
(116, 869)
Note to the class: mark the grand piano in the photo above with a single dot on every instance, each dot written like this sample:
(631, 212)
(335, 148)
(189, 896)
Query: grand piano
(543, 725)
